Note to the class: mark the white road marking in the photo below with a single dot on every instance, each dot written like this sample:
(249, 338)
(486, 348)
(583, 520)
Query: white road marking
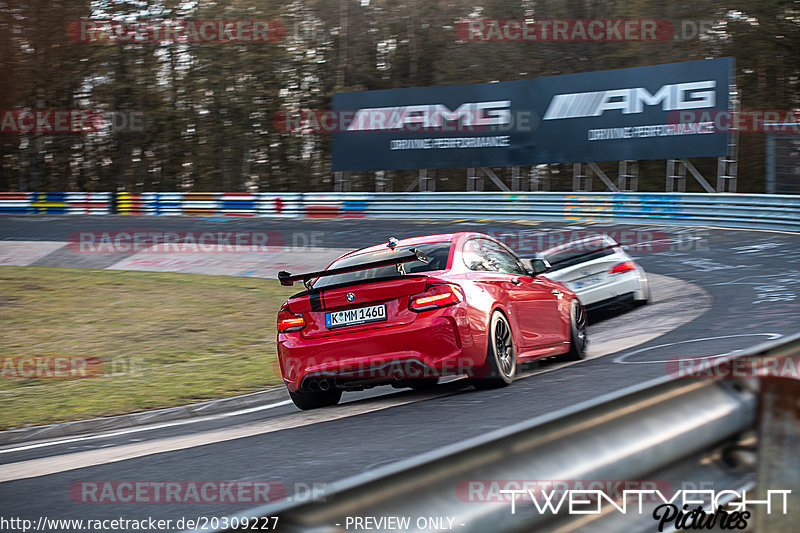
(206, 418)
(621, 358)
(76, 461)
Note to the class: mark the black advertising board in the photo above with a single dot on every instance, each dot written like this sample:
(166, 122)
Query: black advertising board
(654, 112)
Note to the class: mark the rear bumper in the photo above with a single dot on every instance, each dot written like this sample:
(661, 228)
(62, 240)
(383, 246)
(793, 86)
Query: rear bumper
(620, 285)
(623, 299)
(436, 343)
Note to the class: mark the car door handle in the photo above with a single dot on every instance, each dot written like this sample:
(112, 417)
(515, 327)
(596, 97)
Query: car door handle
(516, 281)
(556, 292)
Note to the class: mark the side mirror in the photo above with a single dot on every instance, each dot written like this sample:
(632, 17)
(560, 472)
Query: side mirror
(539, 266)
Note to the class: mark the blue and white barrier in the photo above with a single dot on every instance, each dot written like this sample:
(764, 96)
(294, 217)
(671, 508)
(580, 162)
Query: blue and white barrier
(756, 211)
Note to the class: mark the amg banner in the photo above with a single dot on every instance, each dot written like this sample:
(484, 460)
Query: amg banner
(655, 112)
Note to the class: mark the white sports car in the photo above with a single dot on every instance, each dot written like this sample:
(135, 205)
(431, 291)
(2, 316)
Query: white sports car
(599, 271)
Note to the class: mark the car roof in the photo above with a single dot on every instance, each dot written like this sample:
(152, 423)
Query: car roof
(592, 242)
(422, 239)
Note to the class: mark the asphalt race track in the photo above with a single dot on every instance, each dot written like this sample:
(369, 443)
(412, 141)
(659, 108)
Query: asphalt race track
(715, 291)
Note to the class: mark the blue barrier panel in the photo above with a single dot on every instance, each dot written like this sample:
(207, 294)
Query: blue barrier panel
(755, 211)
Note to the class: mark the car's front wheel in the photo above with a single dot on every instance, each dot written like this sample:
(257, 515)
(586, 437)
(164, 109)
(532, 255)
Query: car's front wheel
(315, 399)
(501, 358)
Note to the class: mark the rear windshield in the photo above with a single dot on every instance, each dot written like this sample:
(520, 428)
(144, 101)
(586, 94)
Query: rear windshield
(437, 253)
(578, 252)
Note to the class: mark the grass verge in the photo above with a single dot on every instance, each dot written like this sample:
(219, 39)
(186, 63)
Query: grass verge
(164, 339)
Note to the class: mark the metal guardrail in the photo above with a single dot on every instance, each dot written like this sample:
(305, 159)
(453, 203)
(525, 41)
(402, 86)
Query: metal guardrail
(672, 429)
(56, 203)
(210, 203)
(727, 210)
(754, 211)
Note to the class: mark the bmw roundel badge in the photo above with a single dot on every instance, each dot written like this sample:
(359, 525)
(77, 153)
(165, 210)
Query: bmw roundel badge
(350, 297)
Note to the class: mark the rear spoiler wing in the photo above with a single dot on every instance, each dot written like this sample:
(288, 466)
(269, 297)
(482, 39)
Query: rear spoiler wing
(288, 279)
(593, 243)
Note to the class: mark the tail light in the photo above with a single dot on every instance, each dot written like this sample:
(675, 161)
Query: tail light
(436, 296)
(288, 321)
(623, 267)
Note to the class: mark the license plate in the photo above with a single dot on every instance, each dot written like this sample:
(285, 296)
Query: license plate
(351, 317)
(588, 281)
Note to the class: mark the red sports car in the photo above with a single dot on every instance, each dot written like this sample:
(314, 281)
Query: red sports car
(409, 311)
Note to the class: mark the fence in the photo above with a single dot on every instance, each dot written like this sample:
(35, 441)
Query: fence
(757, 211)
(56, 203)
(210, 204)
(727, 210)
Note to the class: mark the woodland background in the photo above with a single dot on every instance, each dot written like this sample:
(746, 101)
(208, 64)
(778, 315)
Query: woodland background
(209, 107)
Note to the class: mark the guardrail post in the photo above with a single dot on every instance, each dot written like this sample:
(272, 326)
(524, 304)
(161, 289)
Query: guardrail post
(778, 453)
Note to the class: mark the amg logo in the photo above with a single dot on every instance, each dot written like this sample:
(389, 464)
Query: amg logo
(481, 114)
(694, 95)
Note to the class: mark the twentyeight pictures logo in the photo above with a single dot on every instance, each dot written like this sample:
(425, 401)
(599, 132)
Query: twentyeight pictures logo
(682, 509)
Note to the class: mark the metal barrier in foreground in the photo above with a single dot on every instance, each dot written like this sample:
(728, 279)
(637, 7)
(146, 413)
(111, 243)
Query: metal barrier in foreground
(736, 431)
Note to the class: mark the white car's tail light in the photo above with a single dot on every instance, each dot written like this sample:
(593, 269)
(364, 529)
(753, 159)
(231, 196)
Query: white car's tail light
(627, 266)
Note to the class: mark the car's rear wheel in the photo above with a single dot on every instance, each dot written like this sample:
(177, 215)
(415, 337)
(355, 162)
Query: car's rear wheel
(315, 399)
(643, 293)
(578, 341)
(501, 358)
